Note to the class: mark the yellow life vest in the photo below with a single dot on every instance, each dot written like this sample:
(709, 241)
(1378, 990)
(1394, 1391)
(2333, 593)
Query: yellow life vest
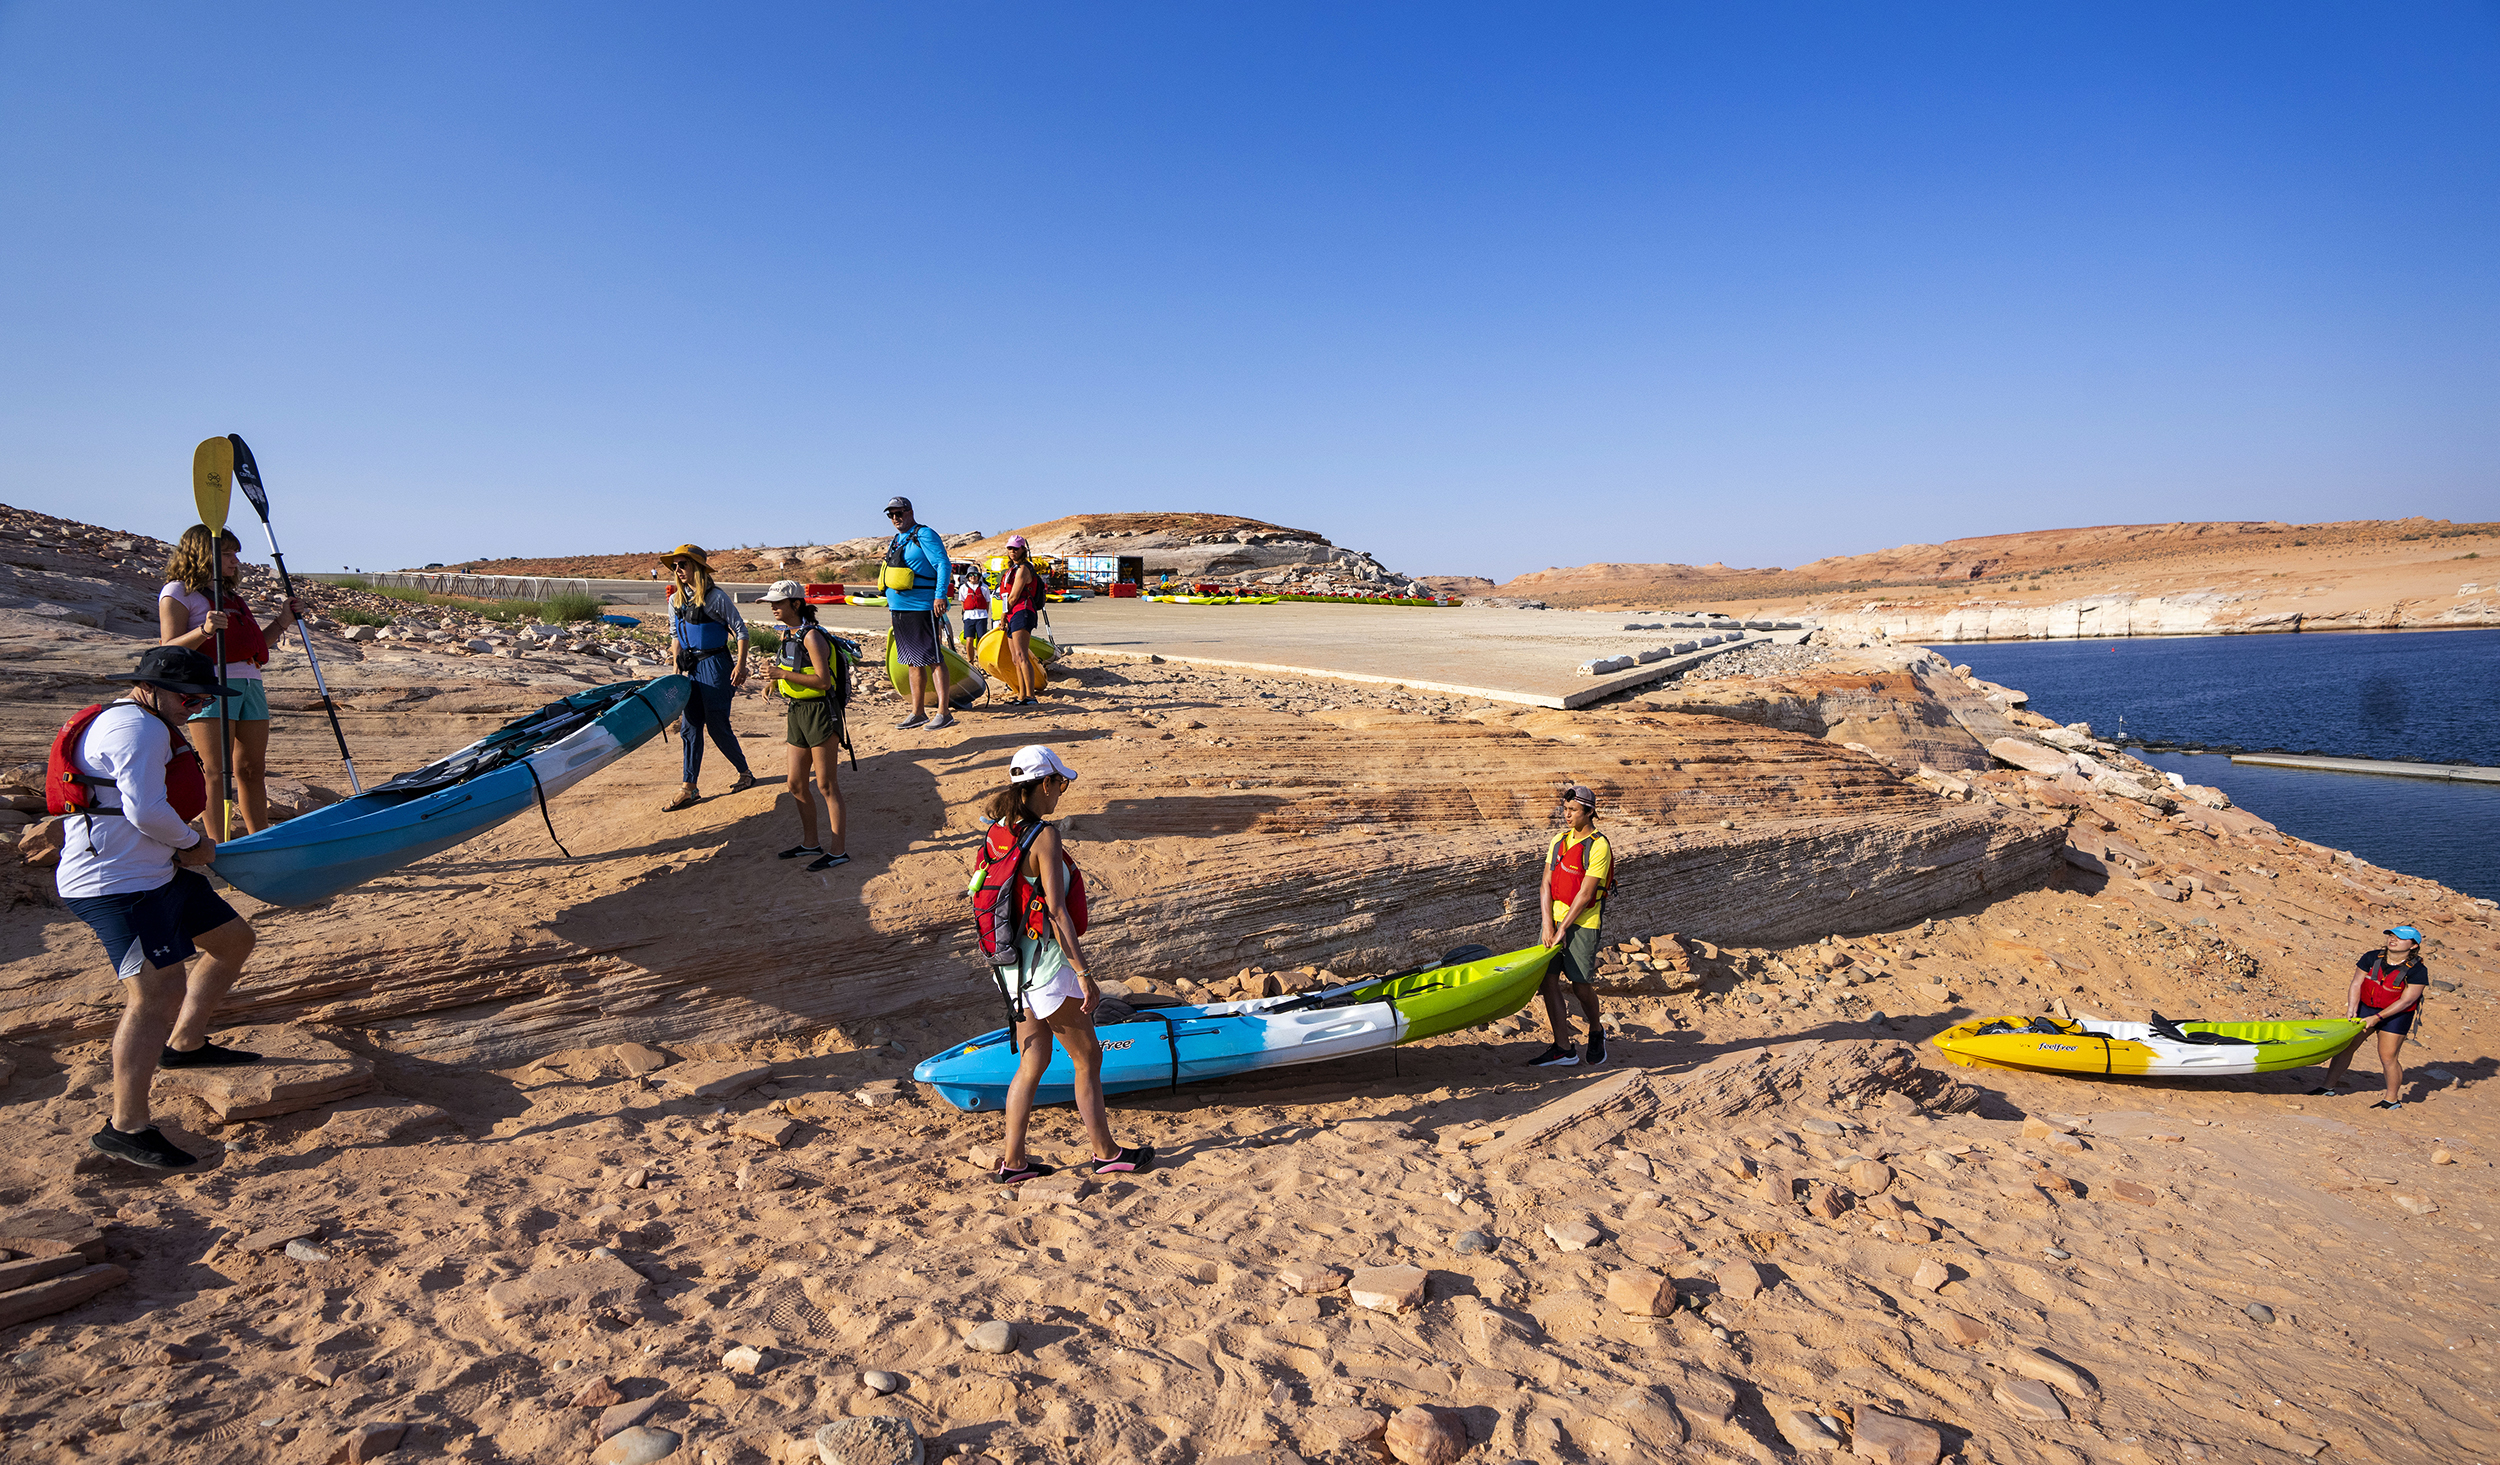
(793, 660)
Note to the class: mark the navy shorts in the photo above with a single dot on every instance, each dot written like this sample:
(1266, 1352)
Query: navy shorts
(916, 637)
(145, 928)
(1022, 620)
(2402, 1022)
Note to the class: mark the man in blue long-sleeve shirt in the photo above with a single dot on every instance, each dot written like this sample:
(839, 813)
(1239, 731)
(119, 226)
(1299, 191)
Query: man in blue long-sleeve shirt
(915, 611)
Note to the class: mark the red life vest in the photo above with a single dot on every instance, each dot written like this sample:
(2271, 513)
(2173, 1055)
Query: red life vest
(2377, 990)
(1007, 903)
(244, 639)
(974, 599)
(1571, 866)
(68, 791)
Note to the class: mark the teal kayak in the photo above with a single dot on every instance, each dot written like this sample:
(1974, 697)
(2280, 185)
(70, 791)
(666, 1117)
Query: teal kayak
(511, 770)
(1168, 1046)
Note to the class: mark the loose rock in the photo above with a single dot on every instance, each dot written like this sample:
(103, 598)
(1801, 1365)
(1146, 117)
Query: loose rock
(881, 1382)
(1474, 1243)
(1388, 1289)
(1931, 1274)
(1421, 1436)
(305, 1251)
(640, 1445)
(1572, 1235)
(1638, 1293)
(993, 1337)
(1892, 1440)
(878, 1439)
(2260, 1312)
(1308, 1277)
(2029, 1399)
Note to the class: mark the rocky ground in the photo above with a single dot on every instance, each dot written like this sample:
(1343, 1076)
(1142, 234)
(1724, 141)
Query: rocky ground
(619, 1154)
(2115, 580)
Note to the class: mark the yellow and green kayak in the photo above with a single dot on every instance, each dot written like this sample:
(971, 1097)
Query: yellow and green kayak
(2049, 1045)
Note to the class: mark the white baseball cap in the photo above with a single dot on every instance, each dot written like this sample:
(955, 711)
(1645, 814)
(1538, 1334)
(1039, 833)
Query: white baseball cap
(785, 590)
(1035, 763)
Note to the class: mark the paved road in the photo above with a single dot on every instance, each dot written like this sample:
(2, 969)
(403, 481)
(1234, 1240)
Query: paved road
(1523, 656)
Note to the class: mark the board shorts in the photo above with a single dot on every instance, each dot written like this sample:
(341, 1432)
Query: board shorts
(1021, 620)
(1578, 964)
(811, 723)
(915, 636)
(975, 627)
(2402, 1022)
(1046, 978)
(144, 928)
(248, 702)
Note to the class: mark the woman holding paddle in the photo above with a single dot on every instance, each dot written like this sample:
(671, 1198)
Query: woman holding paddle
(205, 574)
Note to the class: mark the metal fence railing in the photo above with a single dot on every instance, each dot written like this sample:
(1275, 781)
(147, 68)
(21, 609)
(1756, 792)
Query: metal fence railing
(512, 587)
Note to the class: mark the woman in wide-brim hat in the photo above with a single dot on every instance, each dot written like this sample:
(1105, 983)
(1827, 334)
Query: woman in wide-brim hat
(709, 632)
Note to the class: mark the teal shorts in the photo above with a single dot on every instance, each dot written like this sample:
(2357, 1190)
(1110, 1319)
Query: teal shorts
(249, 703)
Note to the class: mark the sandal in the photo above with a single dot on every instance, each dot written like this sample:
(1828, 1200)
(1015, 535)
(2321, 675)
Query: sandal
(685, 800)
(2389, 1104)
(745, 781)
(1029, 1170)
(1128, 1161)
(814, 851)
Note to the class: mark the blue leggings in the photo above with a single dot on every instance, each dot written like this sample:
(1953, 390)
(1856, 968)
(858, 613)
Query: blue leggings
(708, 707)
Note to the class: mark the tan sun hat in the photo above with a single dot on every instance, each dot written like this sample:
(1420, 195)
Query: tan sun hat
(784, 590)
(692, 552)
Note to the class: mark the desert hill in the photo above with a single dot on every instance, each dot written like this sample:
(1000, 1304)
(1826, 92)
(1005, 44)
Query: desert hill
(1190, 545)
(2114, 579)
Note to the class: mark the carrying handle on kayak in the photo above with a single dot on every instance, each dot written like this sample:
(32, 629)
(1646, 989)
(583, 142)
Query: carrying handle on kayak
(541, 790)
(636, 694)
(1171, 1043)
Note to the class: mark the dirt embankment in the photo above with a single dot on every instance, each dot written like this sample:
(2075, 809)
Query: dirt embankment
(2164, 579)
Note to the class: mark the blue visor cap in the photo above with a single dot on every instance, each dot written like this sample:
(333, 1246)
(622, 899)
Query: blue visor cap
(2407, 932)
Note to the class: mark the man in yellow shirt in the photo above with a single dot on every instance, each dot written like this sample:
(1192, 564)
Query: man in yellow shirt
(1579, 870)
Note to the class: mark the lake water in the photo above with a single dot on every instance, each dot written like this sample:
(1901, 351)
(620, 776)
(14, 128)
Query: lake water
(2410, 696)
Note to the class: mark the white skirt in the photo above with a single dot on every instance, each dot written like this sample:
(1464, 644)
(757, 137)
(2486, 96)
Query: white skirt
(1045, 978)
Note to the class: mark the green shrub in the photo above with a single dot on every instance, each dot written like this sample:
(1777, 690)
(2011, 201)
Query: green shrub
(766, 639)
(354, 617)
(572, 606)
(350, 582)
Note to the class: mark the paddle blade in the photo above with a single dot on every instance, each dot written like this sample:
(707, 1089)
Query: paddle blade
(247, 477)
(212, 481)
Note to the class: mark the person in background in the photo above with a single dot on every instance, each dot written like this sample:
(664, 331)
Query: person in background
(1579, 870)
(805, 676)
(709, 632)
(1054, 984)
(2386, 994)
(917, 553)
(184, 618)
(131, 870)
(976, 613)
(1021, 589)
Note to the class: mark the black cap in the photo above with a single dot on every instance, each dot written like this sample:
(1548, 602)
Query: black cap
(898, 502)
(1580, 793)
(177, 669)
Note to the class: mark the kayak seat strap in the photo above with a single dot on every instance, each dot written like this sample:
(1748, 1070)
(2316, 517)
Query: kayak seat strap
(1171, 1044)
(636, 694)
(540, 789)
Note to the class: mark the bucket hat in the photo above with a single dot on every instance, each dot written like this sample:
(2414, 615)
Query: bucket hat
(176, 669)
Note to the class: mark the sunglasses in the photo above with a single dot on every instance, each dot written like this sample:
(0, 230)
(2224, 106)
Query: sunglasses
(192, 701)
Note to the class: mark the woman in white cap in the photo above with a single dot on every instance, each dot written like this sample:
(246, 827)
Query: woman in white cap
(1054, 983)
(808, 675)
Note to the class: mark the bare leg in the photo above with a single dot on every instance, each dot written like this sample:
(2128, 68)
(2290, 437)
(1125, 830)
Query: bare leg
(225, 950)
(251, 771)
(1033, 1057)
(2342, 1061)
(151, 1001)
(1020, 657)
(212, 751)
(1588, 1004)
(806, 797)
(2389, 1046)
(829, 782)
(1557, 1013)
(1075, 1029)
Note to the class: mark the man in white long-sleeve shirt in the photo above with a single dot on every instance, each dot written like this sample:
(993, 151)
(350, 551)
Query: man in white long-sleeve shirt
(131, 870)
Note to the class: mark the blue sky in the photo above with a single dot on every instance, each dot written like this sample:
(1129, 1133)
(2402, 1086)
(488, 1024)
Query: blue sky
(1479, 289)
